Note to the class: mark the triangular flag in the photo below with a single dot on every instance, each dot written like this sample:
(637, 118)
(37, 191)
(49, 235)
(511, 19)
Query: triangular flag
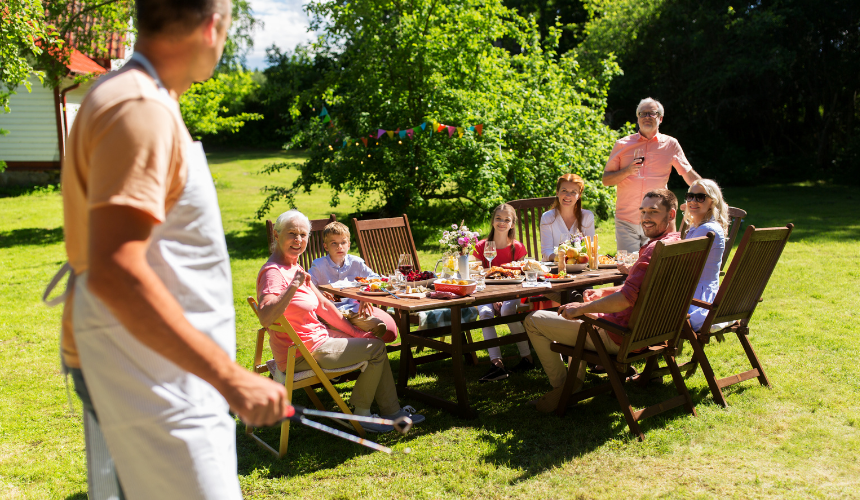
(451, 130)
(409, 132)
(460, 131)
(402, 134)
(390, 134)
(479, 128)
(472, 128)
(324, 112)
(364, 140)
(327, 118)
(397, 131)
(441, 127)
(344, 144)
(423, 125)
(379, 133)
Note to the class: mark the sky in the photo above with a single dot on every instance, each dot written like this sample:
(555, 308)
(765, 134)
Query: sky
(285, 25)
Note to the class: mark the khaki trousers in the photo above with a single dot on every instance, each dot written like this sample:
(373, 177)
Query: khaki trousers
(544, 327)
(376, 382)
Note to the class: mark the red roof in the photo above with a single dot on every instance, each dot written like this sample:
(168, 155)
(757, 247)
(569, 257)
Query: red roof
(82, 65)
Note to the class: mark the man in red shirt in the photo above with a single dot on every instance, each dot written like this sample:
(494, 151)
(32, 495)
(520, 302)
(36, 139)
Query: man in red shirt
(615, 304)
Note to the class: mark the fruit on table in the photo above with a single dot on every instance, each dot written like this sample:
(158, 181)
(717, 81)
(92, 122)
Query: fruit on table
(583, 259)
(572, 253)
(419, 275)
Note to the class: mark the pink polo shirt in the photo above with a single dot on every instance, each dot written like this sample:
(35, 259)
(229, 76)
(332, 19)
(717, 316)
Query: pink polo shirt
(301, 313)
(662, 152)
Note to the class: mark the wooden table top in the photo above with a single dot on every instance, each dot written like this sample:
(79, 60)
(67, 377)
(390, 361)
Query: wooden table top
(492, 293)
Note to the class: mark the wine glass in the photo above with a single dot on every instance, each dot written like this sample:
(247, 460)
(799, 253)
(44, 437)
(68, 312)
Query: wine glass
(639, 157)
(404, 264)
(490, 252)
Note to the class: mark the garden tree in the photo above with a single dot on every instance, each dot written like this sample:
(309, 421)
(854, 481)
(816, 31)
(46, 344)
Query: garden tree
(570, 14)
(241, 38)
(399, 64)
(217, 104)
(745, 84)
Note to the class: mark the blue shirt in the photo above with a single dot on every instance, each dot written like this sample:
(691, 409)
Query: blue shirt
(709, 283)
(324, 271)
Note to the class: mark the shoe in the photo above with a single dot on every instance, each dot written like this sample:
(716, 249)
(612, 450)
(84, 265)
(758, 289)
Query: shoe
(523, 366)
(407, 411)
(549, 401)
(495, 373)
(376, 428)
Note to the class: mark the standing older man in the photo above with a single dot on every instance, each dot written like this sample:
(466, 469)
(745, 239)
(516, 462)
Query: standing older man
(635, 177)
(152, 310)
(614, 304)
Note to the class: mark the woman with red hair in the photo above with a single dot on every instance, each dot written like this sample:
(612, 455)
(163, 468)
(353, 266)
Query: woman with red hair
(566, 216)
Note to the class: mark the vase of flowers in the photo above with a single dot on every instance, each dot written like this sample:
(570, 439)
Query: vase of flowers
(459, 242)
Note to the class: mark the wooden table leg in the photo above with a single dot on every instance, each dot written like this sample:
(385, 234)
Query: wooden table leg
(464, 409)
(405, 354)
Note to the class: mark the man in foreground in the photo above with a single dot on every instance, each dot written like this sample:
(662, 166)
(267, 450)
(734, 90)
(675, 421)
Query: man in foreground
(614, 304)
(152, 310)
(639, 163)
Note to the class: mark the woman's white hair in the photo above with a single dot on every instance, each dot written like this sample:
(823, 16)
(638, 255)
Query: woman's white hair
(289, 216)
(719, 209)
(649, 100)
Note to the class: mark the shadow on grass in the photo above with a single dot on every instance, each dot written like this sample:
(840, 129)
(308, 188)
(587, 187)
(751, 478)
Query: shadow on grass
(30, 236)
(81, 495)
(218, 157)
(521, 437)
(248, 244)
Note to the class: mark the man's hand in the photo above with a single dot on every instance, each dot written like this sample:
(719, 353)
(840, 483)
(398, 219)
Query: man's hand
(328, 296)
(589, 295)
(623, 269)
(633, 169)
(365, 309)
(257, 400)
(572, 310)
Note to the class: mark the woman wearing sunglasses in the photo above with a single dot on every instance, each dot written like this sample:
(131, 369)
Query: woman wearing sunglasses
(706, 211)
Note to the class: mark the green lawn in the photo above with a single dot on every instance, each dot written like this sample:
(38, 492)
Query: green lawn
(799, 439)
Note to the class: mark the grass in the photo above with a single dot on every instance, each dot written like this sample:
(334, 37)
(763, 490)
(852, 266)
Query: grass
(799, 439)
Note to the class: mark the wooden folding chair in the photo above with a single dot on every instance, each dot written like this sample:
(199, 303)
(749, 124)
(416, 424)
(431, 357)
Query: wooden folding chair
(739, 294)
(529, 211)
(315, 248)
(655, 326)
(297, 380)
(736, 216)
(382, 241)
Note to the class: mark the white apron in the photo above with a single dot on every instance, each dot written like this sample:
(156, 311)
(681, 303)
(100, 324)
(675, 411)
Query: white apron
(169, 432)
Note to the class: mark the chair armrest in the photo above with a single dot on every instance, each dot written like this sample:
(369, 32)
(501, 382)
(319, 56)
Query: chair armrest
(606, 325)
(702, 304)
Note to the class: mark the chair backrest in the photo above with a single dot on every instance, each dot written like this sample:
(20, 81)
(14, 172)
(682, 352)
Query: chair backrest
(382, 241)
(666, 293)
(748, 274)
(315, 247)
(736, 216)
(528, 229)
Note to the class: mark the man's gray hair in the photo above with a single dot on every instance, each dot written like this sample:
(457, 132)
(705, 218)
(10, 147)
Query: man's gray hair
(649, 100)
(289, 216)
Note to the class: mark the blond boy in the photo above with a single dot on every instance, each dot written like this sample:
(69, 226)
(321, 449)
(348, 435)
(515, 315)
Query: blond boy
(340, 265)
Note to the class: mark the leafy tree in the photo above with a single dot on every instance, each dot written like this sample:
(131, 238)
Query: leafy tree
(241, 38)
(400, 65)
(216, 105)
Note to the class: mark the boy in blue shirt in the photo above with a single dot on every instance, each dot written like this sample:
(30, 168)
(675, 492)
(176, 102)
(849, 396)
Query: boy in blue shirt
(339, 265)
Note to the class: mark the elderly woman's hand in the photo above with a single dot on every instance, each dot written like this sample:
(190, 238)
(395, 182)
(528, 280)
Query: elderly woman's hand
(365, 309)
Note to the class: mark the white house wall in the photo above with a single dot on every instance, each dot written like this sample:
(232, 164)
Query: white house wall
(74, 98)
(32, 126)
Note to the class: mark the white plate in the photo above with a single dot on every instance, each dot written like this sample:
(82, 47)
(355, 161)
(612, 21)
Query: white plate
(374, 293)
(560, 280)
(505, 281)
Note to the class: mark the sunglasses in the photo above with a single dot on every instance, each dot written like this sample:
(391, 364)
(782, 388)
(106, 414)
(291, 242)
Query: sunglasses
(699, 197)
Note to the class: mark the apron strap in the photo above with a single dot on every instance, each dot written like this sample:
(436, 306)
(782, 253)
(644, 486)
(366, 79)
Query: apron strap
(53, 284)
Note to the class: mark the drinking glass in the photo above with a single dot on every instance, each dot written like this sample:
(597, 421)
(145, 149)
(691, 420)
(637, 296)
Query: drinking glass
(404, 264)
(639, 157)
(531, 275)
(621, 256)
(490, 252)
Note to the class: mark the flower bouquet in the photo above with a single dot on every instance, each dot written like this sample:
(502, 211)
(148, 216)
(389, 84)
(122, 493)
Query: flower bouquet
(461, 242)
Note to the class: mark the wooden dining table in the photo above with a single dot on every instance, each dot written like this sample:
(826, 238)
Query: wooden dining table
(457, 346)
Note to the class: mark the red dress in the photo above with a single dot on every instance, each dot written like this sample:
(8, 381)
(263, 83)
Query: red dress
(503, 255)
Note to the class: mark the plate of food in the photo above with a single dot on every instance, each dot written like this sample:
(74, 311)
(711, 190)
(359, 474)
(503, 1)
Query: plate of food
(498, 275)
(456, 286)
(367, 281)
(557, 278)
(513, 266)
(375, 288)
(606, 262)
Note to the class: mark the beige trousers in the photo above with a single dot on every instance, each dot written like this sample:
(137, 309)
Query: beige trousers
(376, 382)
(544, 327)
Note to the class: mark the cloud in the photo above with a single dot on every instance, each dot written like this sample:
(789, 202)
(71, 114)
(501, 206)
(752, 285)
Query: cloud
(285, 25)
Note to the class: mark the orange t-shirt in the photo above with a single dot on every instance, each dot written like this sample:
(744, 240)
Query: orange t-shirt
(126, 148)
(662, 152)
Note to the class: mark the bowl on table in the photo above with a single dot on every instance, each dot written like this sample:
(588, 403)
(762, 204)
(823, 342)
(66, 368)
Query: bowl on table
(461, 290)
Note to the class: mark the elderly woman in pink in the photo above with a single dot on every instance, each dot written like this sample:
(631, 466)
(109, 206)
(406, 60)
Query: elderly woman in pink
(339, 343)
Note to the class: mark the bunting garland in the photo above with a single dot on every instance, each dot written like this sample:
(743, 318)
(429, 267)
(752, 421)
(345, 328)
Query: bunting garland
(429, 126)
